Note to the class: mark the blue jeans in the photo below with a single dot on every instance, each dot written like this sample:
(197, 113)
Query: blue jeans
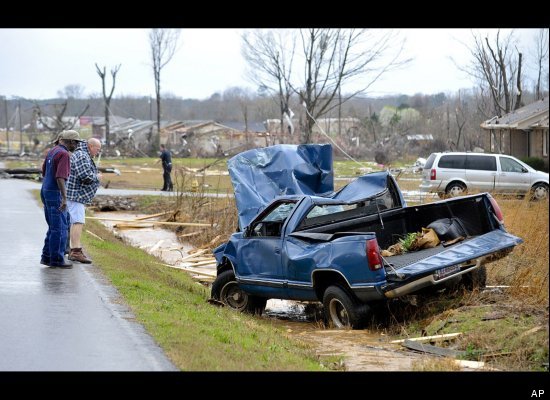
(56, 237)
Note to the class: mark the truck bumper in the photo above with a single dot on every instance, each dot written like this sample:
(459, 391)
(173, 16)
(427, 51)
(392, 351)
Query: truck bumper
(429, 280)
(368, 293)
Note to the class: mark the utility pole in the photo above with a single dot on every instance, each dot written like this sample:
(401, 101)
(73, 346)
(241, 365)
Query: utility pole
(7, 123)
(20, 130)
(150, 116)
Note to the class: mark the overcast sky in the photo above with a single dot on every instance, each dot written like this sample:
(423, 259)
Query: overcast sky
(37, 63)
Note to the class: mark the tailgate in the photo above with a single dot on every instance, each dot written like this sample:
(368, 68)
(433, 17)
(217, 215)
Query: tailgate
(474, 248)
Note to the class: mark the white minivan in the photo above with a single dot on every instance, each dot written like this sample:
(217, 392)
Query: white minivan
(455, 173)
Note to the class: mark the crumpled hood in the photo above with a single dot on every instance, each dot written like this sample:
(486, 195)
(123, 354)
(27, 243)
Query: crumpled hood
(260, 175)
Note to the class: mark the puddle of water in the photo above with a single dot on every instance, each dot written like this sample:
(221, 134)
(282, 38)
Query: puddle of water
(159, 242)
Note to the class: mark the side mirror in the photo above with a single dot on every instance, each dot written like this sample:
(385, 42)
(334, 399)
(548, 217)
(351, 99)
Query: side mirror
(524, 170)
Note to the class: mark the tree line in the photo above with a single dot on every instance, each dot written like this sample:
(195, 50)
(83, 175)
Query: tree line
(303, 74)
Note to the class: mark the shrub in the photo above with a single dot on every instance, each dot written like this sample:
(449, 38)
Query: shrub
(535, 162)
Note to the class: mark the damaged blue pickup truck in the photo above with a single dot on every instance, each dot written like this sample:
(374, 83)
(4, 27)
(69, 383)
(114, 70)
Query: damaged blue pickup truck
(299, 239)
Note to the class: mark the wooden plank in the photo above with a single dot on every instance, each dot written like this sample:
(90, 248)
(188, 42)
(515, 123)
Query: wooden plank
(149, 222)
(200, 272)
(434, 338)
(156, 246)
(153, 216)
(132, 226)
(197, 253)
(531, 331)
(474, 365)
(207, 266)
(210, 274)
(430, 349)
(198, 264)
(197, 259)
(94, 235)
(189, 234)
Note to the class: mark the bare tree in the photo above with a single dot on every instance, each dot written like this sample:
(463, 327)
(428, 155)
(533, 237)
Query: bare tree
(329, 59)
(163, 44)
(541, 59)
(335, 57)
(460, 118)
(270, 55)
(58, 122)
(73, 91)
(107, 98)
(497, 71)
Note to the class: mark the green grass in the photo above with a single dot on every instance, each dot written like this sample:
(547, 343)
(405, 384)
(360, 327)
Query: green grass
(151, 162)
(194, 334)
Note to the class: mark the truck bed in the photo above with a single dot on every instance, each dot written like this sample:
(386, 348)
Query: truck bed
(392, 225)
(403, 260)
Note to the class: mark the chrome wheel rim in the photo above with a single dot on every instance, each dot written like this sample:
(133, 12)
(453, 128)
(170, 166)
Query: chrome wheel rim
(338, 314)
(233, 296)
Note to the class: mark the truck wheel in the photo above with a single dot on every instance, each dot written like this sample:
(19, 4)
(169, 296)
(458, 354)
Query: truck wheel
(226, 289)
(455, 189)
(477, 279)
(342, 311)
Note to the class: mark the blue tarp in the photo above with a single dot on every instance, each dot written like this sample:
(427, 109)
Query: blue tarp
(363, 187)
(260, 175)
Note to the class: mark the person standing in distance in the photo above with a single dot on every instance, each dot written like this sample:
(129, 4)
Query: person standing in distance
(55, 170)
(166, 159)
(82, 186)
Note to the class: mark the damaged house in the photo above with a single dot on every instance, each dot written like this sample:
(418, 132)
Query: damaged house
(521, 133)
(210, 138)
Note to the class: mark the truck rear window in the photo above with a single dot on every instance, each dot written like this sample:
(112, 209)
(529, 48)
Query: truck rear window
(330, 213)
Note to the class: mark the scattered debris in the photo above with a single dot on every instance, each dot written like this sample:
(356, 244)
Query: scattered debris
(493, 315)
(113, 203)
(434, 338)
(149, 222)
(428, 348)
(531, 331)
(156, 246)
(133, 226)
(94, 235)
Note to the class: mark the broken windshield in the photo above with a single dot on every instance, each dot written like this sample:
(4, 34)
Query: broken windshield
(328, 213)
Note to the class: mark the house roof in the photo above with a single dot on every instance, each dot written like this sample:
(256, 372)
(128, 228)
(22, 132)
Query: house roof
(428, 136)
(253, 126)
(534, 115)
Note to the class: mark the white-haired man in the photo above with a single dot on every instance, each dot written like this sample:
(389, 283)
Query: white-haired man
(82, 186)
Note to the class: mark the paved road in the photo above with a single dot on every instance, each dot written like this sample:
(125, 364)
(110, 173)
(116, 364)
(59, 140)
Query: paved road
(53, 319)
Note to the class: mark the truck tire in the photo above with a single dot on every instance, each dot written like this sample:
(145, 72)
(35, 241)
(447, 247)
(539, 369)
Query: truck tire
(226, 289)
(341, 309)
(455, 189)
(477, 279)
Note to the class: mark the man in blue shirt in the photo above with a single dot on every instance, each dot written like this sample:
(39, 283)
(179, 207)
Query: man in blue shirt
(166, 159)
(55, 170)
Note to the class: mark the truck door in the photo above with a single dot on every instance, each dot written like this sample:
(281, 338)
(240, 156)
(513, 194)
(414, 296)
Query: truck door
(259, 256)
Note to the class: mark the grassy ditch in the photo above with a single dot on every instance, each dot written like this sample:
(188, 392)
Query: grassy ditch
(194, 334)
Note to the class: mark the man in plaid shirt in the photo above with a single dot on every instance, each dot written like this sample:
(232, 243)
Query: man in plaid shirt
(82, 186)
